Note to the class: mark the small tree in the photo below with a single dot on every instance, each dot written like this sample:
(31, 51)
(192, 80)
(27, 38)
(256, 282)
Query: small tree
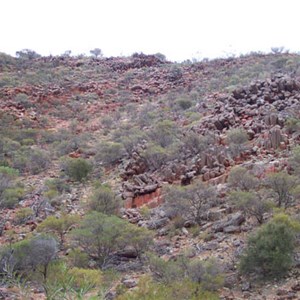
(97, 52)
(251, 203)
(241, 178)
(282, 184)
(99, 235)
(270, 250)
(29, 256)
(27, 54)
(59, 226)
(190, 202)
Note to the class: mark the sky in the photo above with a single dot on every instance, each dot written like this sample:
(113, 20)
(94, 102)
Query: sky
(178, 29)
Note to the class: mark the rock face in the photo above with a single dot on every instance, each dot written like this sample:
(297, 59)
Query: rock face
(261, 109)
(230, 224)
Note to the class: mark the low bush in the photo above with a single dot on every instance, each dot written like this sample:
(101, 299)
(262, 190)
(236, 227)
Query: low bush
(11, 197)
(70, 283)
(185, 289)
(10, 192)
(59, 226)
(109, 153)
(23, 215)
(252, 203)
(269, 252)
(77, 169)
(237, 139)
(31, 160)
(190, 202)
(241, 179)
(105, 201)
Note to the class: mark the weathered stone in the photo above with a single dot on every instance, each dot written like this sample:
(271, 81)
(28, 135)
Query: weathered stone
(150, 188)
(128, 252)
(271, 119)
(232, 229)
(275, 137)
(156, 224)
(129, 283)
(184, 231)
(234, 220)
(214, 215)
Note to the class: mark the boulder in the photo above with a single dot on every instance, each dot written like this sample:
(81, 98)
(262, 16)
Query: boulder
(231, 224)
(232, 229)
(128, 252)
(159, 223)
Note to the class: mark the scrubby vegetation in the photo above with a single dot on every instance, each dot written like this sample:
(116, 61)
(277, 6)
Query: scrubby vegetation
(138, 178)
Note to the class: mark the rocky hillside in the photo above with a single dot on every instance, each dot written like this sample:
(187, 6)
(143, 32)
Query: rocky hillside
(183, 162)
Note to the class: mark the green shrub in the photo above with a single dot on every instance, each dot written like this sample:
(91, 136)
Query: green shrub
(77, 258)
(164, 133)
(10, 193)
(58, 185)
(104, 200)
(190, 202)
(59, 226)
(24, 134)
(85, 278)
(22, 99)
(185, 289)
(77, 169)
(100, 235)
(155, 156)
(51, 194)
(109, 153)
(195, 143)
(269, 252)
(31, 160)
(282, 185)
(292, 125)
(184, 103)
(237, 139)
(240, 178)
(206, 274)
(74, 283)
(7, 147)
(251, 203)
(27, 142)
(11, 197)
(8, 172)
(23, 214)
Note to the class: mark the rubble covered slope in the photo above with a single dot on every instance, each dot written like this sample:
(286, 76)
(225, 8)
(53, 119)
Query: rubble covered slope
(119, 172)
